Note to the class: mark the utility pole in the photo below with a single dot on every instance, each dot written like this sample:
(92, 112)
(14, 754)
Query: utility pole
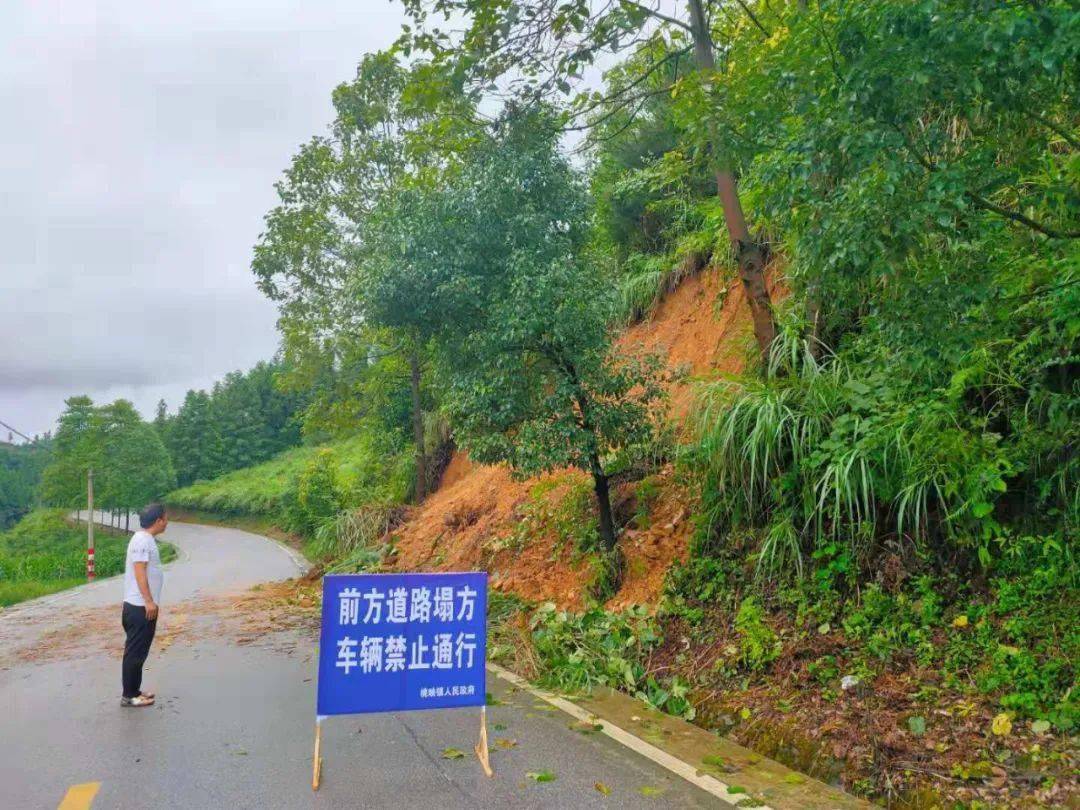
(90, 524)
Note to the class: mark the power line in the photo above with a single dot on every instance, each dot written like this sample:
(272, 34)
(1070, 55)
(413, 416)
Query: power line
(16, 432)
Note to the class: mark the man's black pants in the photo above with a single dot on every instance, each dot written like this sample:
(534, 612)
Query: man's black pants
(140, 632)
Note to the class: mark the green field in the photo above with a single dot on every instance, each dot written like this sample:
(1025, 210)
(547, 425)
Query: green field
(45, 553)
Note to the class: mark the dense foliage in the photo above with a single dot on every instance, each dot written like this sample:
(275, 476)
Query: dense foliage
(245, 419)
(463, 255)
(926, 391)
(130, 463)
(20, 474)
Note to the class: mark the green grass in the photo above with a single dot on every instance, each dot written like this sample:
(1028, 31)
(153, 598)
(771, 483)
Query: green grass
(13, 592)
(44, 553)
(366, 470)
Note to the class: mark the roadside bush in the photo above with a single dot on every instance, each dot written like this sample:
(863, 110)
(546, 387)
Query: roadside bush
(318, 497)
(758, 644)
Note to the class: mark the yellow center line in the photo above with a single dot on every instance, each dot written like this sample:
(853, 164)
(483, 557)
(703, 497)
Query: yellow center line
(80, 797)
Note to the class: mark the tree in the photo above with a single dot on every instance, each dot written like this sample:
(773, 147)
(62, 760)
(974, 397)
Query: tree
(195, 440)
(134, 466)
(148, 471)
(489, 267)
(131, 465)
(541, 48)
(162, 421)
(20, 475)
(75, 449)
(392, 125)
(541, 389)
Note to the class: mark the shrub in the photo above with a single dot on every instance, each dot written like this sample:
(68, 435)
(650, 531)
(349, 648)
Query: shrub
(758, 644)
(318, 497)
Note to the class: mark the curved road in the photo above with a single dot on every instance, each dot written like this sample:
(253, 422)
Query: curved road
(233, 724)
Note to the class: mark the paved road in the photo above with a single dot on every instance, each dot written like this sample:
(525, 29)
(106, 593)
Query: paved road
(234, 722)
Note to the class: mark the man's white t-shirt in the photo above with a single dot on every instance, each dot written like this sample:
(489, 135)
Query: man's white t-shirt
(143, 548)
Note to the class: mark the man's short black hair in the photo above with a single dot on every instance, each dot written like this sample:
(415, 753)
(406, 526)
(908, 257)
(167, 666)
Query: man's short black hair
(151, 514)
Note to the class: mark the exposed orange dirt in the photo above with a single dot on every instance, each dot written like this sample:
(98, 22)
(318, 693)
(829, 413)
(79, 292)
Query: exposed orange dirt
(701, 329)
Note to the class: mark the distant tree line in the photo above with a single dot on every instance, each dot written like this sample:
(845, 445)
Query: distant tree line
(20, 474)
(243, 420)
(130, 463)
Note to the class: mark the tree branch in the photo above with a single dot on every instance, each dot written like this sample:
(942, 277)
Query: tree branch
(753, 17)
(985, 204)
(1016, 216)
(1055, 128)
(654, 13)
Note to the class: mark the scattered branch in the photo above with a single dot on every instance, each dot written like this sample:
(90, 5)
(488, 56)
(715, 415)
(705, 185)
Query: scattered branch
(654, 13)
(1055, 128)
(1016, 216)
(753, 17)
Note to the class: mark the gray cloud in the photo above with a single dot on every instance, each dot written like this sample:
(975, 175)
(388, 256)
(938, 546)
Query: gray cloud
(139, 152)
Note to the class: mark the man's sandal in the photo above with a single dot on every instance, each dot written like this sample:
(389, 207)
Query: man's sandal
(137, 701)
(150, 695)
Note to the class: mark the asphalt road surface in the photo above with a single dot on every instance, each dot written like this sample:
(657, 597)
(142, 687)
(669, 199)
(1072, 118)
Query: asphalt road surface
(234, 722)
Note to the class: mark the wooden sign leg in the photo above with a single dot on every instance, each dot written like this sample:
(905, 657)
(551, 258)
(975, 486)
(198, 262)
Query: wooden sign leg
(482, 746)
(316, 765)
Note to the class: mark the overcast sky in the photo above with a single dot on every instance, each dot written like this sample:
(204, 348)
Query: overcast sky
(140, 144)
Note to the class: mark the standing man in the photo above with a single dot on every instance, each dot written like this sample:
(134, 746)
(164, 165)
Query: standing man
(143, 578)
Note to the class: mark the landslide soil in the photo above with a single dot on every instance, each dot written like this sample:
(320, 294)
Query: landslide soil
(702, 329)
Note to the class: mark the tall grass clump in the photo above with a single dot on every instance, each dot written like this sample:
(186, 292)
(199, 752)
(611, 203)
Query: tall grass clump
(818, 451)
(648, 277)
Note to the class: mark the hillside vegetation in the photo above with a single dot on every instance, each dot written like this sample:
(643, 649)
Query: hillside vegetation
(303, 487)
(20, 475)
(792, 358)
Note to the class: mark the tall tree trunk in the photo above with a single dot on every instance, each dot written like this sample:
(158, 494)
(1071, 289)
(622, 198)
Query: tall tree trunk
(603, 503)
(418, 427)
(600, 479)
(749, 253)
(127, 521)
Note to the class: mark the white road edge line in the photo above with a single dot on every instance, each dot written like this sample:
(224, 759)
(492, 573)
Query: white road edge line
(708, 783)
(298, 560)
